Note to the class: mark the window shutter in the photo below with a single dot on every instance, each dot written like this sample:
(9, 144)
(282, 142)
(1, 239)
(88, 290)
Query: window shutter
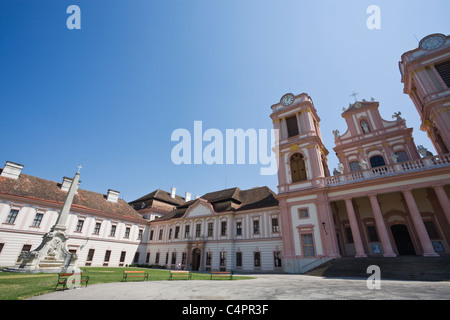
(292, 127)
(444, 71)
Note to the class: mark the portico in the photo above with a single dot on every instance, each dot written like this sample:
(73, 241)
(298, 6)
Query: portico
(379, 224)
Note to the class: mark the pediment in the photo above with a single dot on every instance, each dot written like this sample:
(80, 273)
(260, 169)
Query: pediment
(199, 208)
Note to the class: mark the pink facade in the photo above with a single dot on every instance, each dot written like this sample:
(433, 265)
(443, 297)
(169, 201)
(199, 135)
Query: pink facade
(384, 199)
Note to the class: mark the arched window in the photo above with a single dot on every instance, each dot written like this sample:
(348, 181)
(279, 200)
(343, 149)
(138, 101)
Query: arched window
(377, 161)
(298, 170)
(402, 156)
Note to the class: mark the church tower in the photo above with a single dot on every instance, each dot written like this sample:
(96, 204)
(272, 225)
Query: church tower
(426, 77)
(306, 217)
(302, 154)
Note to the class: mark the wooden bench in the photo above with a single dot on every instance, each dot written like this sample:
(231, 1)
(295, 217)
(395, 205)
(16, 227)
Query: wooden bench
(66, 281)
(178, 274)
(221, 274)
(134, 274)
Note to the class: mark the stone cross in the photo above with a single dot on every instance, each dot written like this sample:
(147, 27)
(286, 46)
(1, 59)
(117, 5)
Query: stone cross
(354, 94)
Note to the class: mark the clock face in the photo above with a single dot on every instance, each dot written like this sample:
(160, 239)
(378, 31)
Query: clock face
(432, 43)
(287, 99)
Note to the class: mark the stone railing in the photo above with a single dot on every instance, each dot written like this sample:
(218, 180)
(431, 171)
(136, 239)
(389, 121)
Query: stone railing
(390, 170)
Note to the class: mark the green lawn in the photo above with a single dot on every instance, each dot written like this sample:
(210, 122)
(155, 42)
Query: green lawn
(18, 286)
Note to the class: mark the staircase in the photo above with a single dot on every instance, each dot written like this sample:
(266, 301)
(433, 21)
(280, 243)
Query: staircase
(416, 268)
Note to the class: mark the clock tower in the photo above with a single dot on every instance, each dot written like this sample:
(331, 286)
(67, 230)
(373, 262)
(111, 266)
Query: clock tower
(302, 154)
(306, 217)
(426, 77)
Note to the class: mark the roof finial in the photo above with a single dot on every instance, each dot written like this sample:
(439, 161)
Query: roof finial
(354, 94)
(79, 168)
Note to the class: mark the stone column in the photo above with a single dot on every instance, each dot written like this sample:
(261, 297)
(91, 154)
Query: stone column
(355, 229)
(62, 217)
(427, 246)
(381, 227)
(443, 200)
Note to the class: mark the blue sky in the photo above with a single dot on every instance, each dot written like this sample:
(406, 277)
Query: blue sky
(109, 96)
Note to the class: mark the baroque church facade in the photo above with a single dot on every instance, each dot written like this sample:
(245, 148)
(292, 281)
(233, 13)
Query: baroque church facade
(387, 198)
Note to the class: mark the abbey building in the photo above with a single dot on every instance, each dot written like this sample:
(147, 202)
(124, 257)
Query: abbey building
(387, 198)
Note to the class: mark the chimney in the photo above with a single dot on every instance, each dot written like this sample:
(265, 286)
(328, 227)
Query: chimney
(187, 196)
(12, 170)
(197, 196)
(112, 196)
(173, 192)
(65, 185)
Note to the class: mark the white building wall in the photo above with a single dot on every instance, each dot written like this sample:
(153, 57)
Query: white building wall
(14, 236)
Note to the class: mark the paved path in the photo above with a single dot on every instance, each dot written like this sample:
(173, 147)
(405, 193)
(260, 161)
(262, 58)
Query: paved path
(264, 287)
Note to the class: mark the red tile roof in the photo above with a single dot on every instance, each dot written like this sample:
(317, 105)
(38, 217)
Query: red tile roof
(40, 189)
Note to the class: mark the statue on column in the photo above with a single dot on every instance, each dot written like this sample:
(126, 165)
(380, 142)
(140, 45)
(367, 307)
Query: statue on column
(51, 255)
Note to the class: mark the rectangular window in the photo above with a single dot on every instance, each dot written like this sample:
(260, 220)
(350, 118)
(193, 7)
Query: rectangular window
(136, 257)
(107, 255)
(90, 255)
(372, 232)
(255, 226)
(1, 247)
(238, 259)
(187, 231)
(160, 234)
(183, 258)
(157, 258)
(174, 257)
(292, 127)
(177, 232)
(12, 216)
(170, 233)
(277, 259)
(167, 257)
(303, 213)
(275, 226)
(140, 233)
(349, 235)
(444, 71)
(257, 259)
(431, 230)
(308, 245)
(79, 227)
(208, 258)
(354, 166)
(239, 228)
(127, 232)
(151, 234)
(223, 228)
(223, 259)
(210, 229)
(97, 227)
(122, 256)
(198, 229)
(112, 233)
(26, 247)
(147, 258)
(37, 219)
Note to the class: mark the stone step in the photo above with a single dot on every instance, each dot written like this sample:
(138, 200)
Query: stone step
(400, 268)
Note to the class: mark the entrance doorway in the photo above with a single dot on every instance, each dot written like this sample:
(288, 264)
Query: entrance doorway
(196, 254)
(402, 240)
